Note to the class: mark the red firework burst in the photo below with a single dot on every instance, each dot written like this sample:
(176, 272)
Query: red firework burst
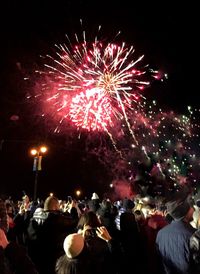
(91, 110)
(101, 83)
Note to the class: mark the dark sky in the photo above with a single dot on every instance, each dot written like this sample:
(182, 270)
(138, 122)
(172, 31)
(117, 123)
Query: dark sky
(166, 34)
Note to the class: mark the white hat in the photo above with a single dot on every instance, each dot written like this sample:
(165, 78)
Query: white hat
(73, 245)
(94, 196)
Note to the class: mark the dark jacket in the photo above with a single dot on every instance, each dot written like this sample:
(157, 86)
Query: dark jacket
(14, 259)
(46, 239)
(104, 257)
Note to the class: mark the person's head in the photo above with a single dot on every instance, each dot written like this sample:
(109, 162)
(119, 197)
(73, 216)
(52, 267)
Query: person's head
(106, 204)
(51, 203)
(88, 219)
(95, 196)
(128, 204)
(75, 259)
(25, 199)
(180, 205)
(139, 216)
(10, 209)
(73, 245)
(180, 209)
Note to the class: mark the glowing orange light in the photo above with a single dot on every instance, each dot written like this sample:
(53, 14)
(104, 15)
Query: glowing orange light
(43, 149)
(34, 151)
(78, 193)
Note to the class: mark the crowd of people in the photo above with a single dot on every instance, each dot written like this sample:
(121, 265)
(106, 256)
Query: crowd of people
(132, 235)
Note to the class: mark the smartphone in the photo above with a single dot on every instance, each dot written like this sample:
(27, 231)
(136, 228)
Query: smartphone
(93, 232)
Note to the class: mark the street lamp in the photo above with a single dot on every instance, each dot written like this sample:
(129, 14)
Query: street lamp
(37, 161)
(78, 193)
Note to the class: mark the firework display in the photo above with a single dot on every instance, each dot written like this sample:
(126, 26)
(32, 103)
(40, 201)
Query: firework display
(93, 85)
(98, 88)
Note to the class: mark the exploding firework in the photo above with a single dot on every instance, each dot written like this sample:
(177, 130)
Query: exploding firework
(91, 110)
(94, 85)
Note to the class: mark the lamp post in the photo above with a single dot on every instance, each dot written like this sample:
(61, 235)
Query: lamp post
(37, 161)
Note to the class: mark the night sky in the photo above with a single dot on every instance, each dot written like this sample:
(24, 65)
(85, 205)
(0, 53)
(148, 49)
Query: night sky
(167, 36)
